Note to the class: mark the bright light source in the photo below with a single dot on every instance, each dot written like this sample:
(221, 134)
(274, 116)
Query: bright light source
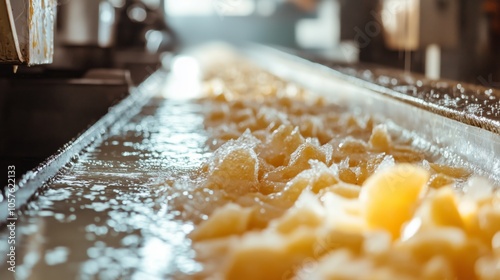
(185, 79)
(189, 7)
(234, 7)
(209, 7)
(185, 66)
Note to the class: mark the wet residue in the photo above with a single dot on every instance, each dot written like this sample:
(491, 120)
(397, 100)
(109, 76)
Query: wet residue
(470, 104)
(106, 216)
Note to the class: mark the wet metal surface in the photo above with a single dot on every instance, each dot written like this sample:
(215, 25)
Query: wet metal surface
(106, 215)
(475, 105)
(462, 121)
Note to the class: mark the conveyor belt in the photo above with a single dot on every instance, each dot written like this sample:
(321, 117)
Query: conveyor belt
(105, 216)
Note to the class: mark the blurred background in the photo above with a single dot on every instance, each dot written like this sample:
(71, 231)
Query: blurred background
(454, 39)
(85, 59)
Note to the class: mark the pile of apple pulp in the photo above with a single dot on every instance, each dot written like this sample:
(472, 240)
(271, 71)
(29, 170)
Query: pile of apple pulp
(299, 188)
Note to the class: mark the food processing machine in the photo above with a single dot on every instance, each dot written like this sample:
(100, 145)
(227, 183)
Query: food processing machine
(96, 132)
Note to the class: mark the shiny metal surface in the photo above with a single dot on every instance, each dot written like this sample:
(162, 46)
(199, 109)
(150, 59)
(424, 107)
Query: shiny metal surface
(106, 214)
(461, 122)
(59, 97)
(40, 114)
(470, 104)
(101, 205)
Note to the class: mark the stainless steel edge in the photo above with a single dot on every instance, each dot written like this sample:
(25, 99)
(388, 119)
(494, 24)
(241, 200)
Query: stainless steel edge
(34, 180)
(431, 125)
